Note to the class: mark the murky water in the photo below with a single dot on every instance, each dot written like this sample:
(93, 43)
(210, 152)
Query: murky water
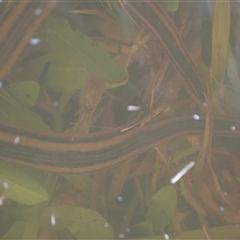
(119, 120)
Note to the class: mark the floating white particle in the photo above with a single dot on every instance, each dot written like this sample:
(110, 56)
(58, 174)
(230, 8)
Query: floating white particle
(5, 185)
(16, 140)
(182, 172)
(38, 12)
(2, 198)
(204, 104)
(106, 224)
(34, 41)
(1, 1)
(119, 198)
(166, 236)
(121, 235)
(128, 230)
(133, 108)
(55, 103)
(196, 117)
(233, 128)
(221, 208)
(1, 84)
(53, 219)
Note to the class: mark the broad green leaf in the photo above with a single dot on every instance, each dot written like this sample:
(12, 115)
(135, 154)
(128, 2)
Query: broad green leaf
(220, 39)
(15, 231)
(77, 47)
(82, 182)
(20, 187)
(169, 5)
(25, 93)
(81, 222)
(162, 208)
(13, 112)
(64, 74)
(142, 229)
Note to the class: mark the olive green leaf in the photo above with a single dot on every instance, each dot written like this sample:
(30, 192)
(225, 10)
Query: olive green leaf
(162, 208)
(25, 92)
(81, 222)
(14, 112)
(73, 57)
(15, 231)
(20, 187)
(169, 5)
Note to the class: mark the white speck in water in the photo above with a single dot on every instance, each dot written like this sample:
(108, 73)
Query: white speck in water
(1, 84)
(38, 12)
(204, 104)
(55, 103)
(121, 235)
(119, 198)
(16, 140)
(1, 1)
(233, 128)
(53, 219)
(106, 225)
(128, 230)
(224, 193)
(5, 185)
(2, 198)
(34, 41)
(222, 209)
(196, 117)
(166, 236)
(182, 172)
(133, 108)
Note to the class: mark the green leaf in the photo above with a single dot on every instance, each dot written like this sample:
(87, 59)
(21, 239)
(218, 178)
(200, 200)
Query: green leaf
(20, 187)
(220, 39)
(13, 112)
(64, 74)
(169, 5)
(77, 47)
(15, 231)
(81, 222)
(142, 229)
(82, 182)
(162, 208)
(25, 93)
